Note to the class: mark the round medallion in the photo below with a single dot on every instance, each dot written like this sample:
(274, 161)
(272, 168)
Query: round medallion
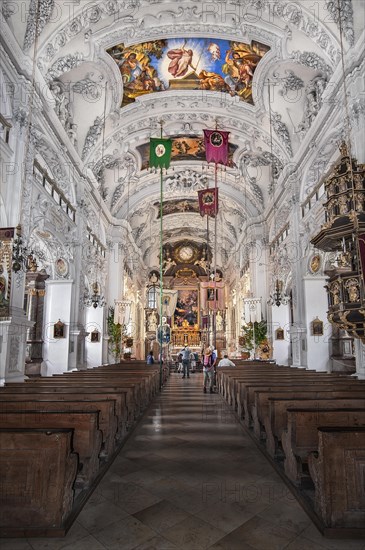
(160, 150)
(216, 139)
(315, 263)
(61, 267)
(186, 253)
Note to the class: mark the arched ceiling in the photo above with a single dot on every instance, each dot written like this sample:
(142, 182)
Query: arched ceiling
(84, 81)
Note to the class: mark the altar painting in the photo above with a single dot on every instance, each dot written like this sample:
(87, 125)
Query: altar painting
(184, 148)
(188, 64)
(187, 308)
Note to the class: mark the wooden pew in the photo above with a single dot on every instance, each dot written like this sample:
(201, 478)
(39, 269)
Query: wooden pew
(37, 490)
(248, 389)
(86, 441)
(69, 393)
(301, 436)
(337, 470)
(108, 421)
(135, 398)
(118, 396)
(146, 382)
(274, 424)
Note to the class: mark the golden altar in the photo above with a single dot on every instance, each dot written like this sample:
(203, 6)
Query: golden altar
(186, 335)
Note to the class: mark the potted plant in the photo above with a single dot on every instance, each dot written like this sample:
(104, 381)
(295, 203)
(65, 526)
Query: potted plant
(254, 336)
(115, 336)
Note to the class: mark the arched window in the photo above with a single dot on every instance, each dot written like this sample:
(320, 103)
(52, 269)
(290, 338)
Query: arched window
(151, 297)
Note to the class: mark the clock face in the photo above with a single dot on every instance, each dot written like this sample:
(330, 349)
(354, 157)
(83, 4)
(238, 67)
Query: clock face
(186, 253)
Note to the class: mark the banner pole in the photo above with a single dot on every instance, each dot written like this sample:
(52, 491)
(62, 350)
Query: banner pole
(161, 259)
(215, 258)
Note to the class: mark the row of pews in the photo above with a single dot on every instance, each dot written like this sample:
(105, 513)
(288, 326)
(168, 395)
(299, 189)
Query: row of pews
(58, 436)
(311, 425)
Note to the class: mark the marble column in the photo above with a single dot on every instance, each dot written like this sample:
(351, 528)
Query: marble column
(360, 358)
(57, 308)
(316, 306)
(298, 330)
(35, 292)
(280, 320)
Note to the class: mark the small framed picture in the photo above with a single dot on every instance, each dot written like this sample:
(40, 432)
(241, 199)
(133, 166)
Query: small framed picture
(95, 336)
(61, 266)
(242, 341)
(317, 327)
(210, 294)
(59, 329)
(279, 334)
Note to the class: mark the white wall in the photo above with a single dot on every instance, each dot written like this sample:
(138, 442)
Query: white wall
(94, 350)
(316, 305)
(281, 348)
(57, 307)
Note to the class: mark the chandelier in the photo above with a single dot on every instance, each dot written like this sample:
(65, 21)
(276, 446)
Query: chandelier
(95, 299)
(278, 297)
(21, 258)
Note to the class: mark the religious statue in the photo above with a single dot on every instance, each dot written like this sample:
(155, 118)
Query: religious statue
(180, 61)
(203, 263)
(169, 262)
(219, 321)
(71, 132)
(352, 287)
(152, 322)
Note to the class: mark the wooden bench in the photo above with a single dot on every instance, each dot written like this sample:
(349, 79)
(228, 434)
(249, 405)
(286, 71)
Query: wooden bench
(301, 436)
(248, 389)
(38, 470)
(136, 401)
(274, 418)
(86, 440)
(337, 471)
(120, 398)
(108, 421)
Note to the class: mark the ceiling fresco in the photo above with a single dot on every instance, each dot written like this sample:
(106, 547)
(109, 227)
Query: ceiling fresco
(188, 64)
(178, 206)
(96, 60)
(184, 148)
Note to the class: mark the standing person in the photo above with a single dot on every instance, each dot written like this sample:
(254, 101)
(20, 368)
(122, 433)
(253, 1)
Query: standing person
(208, 369)
(225, 362)
(193, 361)
(185, 361)
(150, 359)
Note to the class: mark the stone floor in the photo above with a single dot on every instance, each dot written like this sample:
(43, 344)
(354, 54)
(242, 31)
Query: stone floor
(189, 477)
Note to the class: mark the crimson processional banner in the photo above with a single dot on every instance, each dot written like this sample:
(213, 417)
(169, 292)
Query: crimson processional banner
(216, 146)
(208, 202)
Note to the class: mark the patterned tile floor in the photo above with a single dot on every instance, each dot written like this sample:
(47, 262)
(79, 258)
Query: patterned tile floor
(189, 477)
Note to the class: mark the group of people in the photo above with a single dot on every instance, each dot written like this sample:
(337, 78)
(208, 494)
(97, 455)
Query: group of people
(187, 360)
(209, 360)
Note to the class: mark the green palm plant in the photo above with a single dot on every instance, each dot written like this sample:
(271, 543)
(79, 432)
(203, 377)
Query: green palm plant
(260, 328)
(115, 335)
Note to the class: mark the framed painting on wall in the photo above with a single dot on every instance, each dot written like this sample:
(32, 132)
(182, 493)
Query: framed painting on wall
(187, 308)
(59, 329)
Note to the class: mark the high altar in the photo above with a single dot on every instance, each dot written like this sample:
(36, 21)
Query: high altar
(192, 302)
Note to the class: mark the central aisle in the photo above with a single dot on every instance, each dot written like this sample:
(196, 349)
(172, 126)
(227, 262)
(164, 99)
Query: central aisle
(190, 477)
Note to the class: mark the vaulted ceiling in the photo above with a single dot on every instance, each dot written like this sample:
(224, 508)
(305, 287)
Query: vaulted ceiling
(85, 82)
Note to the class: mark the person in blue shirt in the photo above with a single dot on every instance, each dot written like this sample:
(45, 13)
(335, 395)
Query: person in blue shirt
(185, 352)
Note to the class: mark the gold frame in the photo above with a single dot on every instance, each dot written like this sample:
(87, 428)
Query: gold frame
(183, 288)
(279, 334)
(59, 329)
(95, 336)
(317, 327)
